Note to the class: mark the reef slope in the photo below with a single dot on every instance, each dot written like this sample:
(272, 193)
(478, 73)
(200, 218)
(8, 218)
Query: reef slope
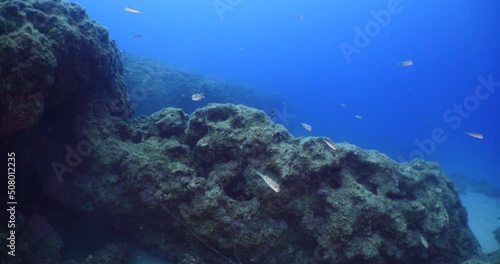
(172, 181)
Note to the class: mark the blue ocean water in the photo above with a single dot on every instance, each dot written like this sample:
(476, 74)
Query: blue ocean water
(319, 55)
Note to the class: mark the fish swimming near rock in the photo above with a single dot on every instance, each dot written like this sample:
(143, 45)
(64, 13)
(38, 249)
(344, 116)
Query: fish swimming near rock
(197, 97)
(270, 182)
(133, 10)
(475, 135)
(330, 144)
(406, 63)
(424, 242)
(307, 127)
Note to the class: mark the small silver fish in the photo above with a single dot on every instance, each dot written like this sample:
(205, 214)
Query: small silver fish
(330, 144)
(270, 182)
(307, 126)
(133, 10)
(475, 135)
(406, 63)
(424, 242)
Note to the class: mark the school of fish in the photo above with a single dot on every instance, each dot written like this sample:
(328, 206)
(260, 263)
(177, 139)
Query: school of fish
(271, 183)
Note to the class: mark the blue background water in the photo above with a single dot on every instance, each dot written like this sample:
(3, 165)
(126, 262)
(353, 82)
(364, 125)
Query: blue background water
(262, 44)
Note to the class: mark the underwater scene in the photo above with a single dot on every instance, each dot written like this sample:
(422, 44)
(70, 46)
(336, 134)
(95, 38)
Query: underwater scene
(250, 132)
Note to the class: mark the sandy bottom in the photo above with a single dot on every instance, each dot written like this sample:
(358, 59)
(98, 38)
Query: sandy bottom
(484, 217)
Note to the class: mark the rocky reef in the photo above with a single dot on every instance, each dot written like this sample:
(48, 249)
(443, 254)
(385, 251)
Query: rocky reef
(187, 187)
(59, 71)
(50, 53)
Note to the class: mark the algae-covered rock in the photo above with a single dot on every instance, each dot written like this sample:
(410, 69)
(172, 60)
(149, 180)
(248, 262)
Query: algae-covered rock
(38, 241)
(168, 122)
(476, 261)
(194, 183)
(49, 52)
(115, 253)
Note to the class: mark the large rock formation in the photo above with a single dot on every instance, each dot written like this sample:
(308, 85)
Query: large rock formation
(50, 53)
(188, 187)
(58, 72)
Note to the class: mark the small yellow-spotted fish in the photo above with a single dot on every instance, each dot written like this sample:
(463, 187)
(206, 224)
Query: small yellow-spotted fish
(358, 117)
(133, 10)
(406, 63)
(270, 182)
(330, 144)
(307, 127)
(137, 36)
(475, 135)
